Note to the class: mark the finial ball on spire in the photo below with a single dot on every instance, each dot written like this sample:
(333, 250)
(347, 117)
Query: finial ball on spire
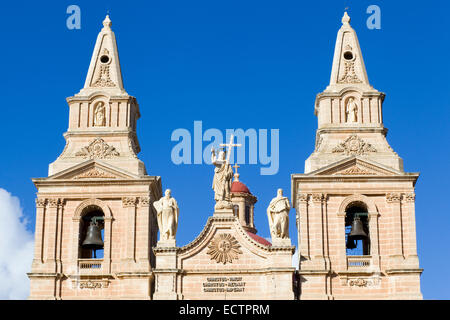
(345, 18)
(107, 22)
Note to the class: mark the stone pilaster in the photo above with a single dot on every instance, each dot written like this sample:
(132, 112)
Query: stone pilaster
(143, 229)
(409, 227)
(129, 206)
(39, 234)
(396, 256)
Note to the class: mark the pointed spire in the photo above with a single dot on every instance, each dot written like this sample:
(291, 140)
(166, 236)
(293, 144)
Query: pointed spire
(104, 72)
(107, 22)
(348, 65)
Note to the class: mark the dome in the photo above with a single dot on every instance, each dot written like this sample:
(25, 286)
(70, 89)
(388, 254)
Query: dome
(239, 187)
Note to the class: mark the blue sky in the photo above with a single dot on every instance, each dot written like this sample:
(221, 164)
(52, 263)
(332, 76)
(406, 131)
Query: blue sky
(257, 64)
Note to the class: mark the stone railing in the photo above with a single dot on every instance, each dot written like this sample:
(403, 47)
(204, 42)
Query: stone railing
(358, 262)
(90, 266)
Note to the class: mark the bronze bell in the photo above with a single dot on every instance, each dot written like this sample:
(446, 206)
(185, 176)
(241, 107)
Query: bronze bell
(93, 238)
(357, 232)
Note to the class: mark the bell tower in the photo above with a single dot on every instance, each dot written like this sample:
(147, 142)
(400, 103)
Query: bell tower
(95, 223)
(354, 203)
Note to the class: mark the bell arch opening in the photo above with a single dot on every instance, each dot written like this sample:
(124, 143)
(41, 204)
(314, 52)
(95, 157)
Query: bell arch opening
(91, 233)
(357, 239)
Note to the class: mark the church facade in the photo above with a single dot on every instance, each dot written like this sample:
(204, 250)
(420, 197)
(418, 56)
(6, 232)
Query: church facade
(98, 212)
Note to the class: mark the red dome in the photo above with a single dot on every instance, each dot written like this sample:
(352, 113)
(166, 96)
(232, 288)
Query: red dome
(239, 187)
(259, 239)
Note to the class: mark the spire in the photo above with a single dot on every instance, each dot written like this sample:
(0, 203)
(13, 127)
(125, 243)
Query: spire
(104, 72)
(348, 64)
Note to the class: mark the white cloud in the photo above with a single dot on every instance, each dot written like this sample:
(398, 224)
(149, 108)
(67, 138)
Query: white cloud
(16, 249)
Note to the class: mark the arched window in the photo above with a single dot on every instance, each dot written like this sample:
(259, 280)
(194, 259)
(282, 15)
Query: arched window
(236, 210)
(247, 214)
(91, 233)
(357, 239)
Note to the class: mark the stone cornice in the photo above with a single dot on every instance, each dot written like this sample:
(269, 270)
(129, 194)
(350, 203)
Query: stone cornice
(240, 271)
(38, 182)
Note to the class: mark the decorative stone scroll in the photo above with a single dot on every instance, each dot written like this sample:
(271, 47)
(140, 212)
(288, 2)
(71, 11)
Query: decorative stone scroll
(349, 75)
(363, 282)
(354, 145)
(393, 197)
(128, 202)
(355, 170)
(224, 248)
(97, 149)
(409, 197)
(93, 284)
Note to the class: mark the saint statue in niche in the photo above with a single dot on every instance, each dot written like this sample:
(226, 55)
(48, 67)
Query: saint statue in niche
(351, 111)
(99, 114)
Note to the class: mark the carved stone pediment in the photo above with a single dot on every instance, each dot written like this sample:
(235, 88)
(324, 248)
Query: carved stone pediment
(356, 170)
(92, 170)
(94, 173)
(356, 167)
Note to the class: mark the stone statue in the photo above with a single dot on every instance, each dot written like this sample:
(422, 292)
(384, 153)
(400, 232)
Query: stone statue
(167, 216)
(351, 111)
(278, 214)
(99, 115)
(223, 173)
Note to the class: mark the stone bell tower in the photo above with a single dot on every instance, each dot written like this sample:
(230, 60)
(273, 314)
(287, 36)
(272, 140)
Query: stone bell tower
(353, 174)
(97, 180)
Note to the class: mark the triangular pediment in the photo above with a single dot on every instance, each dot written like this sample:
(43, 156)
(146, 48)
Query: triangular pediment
(356, 166)
(92, 170)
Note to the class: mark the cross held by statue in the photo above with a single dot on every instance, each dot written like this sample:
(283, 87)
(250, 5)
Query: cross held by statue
(230, 145)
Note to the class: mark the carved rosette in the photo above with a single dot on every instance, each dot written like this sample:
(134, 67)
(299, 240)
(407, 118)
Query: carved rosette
(94, 173)
(128, 202)
(354, 145)
(97, 149)
(224, 248)
(393, 197)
